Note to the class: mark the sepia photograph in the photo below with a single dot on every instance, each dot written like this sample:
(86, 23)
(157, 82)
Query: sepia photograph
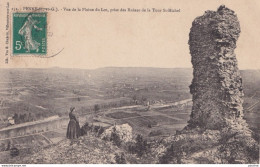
(129, 82)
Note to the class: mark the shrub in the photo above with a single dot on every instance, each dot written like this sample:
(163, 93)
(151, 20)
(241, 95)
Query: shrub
(115, 138)
(149, 125)
(84, 129)
(253, 153)
(172, 155)
(14, 152)
(131, 147)
(96, 107)
(100, 131)
(229, 152)
(140, 147)
(120, 159)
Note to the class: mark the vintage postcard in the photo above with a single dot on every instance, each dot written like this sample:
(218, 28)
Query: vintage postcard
(129, 82)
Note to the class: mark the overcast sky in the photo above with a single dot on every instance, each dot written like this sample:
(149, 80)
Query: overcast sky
(93, 39)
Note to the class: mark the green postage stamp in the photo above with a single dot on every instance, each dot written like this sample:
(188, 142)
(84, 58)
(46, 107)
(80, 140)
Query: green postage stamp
(29, 33)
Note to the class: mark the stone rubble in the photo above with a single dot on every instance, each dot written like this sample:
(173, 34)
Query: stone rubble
(85, 150)
(124, 131)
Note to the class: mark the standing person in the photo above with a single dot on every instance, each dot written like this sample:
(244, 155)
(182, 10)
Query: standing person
(26, 31)
(73, 130)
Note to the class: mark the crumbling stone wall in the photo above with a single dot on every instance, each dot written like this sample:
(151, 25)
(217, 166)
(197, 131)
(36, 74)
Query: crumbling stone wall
(217, 85)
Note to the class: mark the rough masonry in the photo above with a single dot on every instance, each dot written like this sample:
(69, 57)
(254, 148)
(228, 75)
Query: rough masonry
(217, 85)
(216, 131)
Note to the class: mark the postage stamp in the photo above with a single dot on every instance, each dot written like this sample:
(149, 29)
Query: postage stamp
(29, 33)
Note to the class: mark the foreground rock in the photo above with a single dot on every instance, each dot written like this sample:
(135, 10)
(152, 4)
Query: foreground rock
(124, 132)
(87, 149)
(217, 132)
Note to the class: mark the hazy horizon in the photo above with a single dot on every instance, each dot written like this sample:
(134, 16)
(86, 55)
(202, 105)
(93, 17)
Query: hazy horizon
(191, 68)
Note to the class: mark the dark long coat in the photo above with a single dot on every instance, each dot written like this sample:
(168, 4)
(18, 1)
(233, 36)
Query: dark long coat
(73, 130)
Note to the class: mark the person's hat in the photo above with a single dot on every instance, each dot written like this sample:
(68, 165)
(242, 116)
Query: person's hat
(72, 108)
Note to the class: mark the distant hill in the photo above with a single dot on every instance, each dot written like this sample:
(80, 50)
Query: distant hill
(252, 75)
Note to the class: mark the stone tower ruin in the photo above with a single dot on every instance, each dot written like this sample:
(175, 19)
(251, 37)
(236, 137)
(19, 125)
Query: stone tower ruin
(217, 85)
(216, 131)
